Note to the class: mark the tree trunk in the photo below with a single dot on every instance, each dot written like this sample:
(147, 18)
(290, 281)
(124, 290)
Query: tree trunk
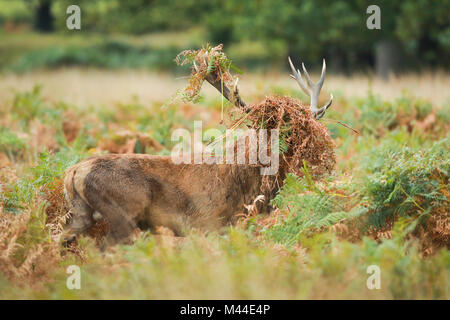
(43, 16)
(387, 58)
(338, 62)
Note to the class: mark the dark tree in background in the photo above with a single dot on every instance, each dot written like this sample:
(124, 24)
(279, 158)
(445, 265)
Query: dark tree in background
(43, 19)
(387, 48)
(414, 35)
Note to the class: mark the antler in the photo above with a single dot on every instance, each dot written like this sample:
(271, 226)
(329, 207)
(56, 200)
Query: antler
(312, 89)
(232, 96)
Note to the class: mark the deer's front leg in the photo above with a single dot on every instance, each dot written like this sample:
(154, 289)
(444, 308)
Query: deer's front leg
(121, 224)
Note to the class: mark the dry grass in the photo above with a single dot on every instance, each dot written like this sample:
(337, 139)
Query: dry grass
(89, 87)
(429, 86)
(84, 87)
(21, 260)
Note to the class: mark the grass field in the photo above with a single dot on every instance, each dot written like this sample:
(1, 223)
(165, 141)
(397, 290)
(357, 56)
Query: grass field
(385, 204)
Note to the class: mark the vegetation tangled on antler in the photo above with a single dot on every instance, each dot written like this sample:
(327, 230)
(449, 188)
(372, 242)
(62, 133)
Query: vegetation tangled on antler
(207, 61)
(302, 139)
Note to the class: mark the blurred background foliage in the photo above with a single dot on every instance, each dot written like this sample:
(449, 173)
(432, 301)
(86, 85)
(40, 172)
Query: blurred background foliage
(414, 35)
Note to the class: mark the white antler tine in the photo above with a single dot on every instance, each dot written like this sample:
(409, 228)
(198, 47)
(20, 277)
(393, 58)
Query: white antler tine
(321, 112)
(308, 79)
(322, 76)
(313, 89)
(291, 64)
(329, 102)
(298, 77)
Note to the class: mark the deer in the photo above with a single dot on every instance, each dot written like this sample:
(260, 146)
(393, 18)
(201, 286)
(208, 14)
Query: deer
(149, 191)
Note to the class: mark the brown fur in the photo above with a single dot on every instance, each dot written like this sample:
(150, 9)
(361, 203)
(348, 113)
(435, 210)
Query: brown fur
(131, 190)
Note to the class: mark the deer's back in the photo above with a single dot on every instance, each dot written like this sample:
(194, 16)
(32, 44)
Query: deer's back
(139, 188)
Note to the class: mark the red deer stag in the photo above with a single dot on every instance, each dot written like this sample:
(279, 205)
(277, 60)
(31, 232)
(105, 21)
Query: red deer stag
(147, 191)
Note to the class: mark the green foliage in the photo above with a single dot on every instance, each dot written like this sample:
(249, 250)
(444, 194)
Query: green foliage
(17, 195)
(51, 166)
(135, 17)
(311, 29)
(14, 11)
(159, 120)
(161, 124)
(375, 113)
(406, 181)
(110, 54)
(30, 105)
(423, 29)
(217, 59)
(375, 116)
(11, 144)
(306, 29)
(310, 210)
(397, 181)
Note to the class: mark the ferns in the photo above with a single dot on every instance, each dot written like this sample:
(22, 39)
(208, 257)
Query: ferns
(406, 181)
(398, 182)
(310, 209)
(335, 217)
(11, 144)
